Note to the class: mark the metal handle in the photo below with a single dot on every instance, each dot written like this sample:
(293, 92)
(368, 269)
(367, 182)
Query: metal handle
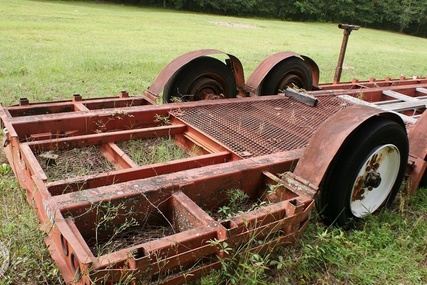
(347, 31)
(348, 27)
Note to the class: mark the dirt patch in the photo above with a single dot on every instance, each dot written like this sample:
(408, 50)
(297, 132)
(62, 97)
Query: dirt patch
(235, 25)
(73, 163)
(347, 67)
(130, 238)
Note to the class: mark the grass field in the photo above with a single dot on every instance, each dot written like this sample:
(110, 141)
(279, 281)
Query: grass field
(51, 49)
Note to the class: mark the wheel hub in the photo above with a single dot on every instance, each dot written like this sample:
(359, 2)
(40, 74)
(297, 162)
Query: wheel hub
(291, 80)
(206, 88)
(372, 179)
(375, 180)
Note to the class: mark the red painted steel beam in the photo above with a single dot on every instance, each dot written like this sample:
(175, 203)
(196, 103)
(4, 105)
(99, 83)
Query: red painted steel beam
(418, 153)
(187, 247)
(372, 94)
(95, 121)
(67, 105)
(244, 174)
(182, 190)
(117, 157)
(118, 176)
(102, 138)
(373, 83)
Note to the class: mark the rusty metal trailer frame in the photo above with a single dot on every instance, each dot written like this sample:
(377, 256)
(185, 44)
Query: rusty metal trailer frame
(267, 146)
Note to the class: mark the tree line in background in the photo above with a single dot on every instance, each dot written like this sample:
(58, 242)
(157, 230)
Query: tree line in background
(404, 16)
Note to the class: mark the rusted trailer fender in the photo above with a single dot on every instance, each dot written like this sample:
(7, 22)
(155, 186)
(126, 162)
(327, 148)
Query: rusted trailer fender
(358, 159)
(417, 154)
(159, 83)
(330, 136)
(256, 79)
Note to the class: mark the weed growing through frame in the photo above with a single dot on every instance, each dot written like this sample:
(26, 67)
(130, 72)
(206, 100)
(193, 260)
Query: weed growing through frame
(102, 124)
(244, 264)
(238, 202)
(74, 163)
(155, 150)
(106, 213)
(360, 96)
(163, 120)
(29, 259)
(5, 169)
(121, 225)
(237, 199)
(253, 261)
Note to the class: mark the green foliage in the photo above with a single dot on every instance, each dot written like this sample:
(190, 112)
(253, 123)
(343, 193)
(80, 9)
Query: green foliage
(238, 202)
(236, 198)
(365, 255)
(5, 169)
(150, 151)
(388, 248)
(396, 15)
(97, 50)
(240, 266)
(30, 261)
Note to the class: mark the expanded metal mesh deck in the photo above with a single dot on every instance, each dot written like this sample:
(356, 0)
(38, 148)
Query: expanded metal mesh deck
(265, 126)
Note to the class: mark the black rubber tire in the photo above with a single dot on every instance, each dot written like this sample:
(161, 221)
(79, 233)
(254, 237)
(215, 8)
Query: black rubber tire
(291, 71)
(334, 198)
(205, 71)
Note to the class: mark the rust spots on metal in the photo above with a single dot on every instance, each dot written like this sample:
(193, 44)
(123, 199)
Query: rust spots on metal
(369, 179)
(255, 80)
(157, 86)
(243, 143)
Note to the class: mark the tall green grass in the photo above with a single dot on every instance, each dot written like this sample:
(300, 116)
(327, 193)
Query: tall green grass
(50, 50)
(388, 248)
(29, 260)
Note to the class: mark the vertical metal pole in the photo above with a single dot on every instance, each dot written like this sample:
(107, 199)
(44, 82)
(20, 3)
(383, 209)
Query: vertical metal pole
(347, 31)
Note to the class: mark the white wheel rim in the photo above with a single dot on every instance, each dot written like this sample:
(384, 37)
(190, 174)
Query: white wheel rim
(383, 161)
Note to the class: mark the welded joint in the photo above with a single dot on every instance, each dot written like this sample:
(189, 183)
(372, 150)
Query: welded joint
(299, 185)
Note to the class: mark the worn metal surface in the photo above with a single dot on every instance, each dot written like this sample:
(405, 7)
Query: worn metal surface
(418, 153)
(242, 143)
(371, 85)
(73, 210)
(157, 86)
(254, 82)
(261, 125)
(325, 143)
